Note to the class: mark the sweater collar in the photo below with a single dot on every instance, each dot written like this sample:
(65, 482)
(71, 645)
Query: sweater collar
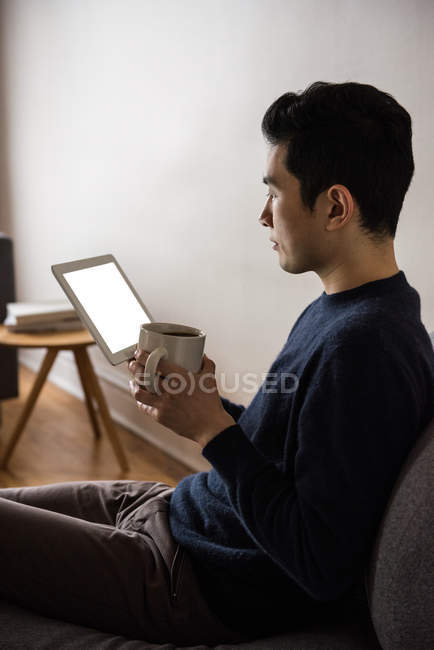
(373, 288)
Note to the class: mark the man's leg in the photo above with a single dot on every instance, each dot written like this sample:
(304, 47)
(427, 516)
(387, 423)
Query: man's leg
(104, 502)
(89, 573)
(107, 561)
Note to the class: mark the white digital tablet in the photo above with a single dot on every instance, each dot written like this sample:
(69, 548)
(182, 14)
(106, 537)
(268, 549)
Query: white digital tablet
(106, 302)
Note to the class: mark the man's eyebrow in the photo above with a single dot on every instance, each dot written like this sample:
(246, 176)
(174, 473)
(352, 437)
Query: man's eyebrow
(269, 180)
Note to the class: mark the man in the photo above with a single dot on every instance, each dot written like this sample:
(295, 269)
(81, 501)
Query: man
(285, 520)
(279, 531)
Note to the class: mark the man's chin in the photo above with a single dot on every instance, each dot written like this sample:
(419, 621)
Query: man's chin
(292, 267)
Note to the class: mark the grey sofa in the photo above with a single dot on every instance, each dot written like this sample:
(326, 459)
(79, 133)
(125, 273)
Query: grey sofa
(399, 588)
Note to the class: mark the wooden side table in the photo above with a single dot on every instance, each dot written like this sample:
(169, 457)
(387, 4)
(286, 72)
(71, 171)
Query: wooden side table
(77, 341)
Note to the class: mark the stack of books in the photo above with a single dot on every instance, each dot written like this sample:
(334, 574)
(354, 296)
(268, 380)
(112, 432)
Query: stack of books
(51, 316)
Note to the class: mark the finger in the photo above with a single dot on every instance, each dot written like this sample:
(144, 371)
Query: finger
(141, 378)
(164, 367)
(132, 366)
(143, 396)
(138, 372)
(145, 407)
(148, 410)
(140, 381)
(141, 355)
(208, 365)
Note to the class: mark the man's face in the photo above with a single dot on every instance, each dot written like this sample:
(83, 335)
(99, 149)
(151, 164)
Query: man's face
(300, 234)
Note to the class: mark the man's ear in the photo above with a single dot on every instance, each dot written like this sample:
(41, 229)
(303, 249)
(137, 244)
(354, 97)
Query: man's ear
(341, 208)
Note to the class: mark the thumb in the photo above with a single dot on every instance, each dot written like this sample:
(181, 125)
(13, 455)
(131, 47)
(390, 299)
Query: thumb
(208, 364)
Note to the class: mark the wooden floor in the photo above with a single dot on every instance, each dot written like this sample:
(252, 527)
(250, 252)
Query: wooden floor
(58, 444)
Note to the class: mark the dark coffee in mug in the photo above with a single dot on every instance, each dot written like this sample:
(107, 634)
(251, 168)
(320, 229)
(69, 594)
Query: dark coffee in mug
(178, 334)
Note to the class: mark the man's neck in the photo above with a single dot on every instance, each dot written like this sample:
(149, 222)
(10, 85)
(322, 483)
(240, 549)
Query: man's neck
(365, 267)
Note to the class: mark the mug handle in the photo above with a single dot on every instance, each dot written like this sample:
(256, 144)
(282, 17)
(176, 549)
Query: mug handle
(151, 367)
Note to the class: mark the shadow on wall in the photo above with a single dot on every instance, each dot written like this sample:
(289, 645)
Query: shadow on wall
(5, 197)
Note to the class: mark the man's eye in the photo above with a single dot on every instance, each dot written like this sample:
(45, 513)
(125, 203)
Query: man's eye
(268, 194)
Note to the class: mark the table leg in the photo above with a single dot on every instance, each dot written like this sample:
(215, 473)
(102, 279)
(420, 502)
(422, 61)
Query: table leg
(87, 388)
(103, 409)
(30, 403)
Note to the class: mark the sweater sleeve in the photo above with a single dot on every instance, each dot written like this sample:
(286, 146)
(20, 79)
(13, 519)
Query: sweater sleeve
(317, 521)
(233, 409)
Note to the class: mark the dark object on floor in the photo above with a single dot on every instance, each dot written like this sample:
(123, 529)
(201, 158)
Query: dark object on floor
(8, 357)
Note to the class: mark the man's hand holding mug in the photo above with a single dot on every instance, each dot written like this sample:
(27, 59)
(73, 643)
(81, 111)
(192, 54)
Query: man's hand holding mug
(174, 382)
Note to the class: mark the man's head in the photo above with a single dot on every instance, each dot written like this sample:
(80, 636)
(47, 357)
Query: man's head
(339, 165)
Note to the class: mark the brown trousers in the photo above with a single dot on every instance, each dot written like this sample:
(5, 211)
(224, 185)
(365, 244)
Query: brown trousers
(100, 554)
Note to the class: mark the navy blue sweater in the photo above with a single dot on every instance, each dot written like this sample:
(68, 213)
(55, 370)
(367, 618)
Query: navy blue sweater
(284, 521)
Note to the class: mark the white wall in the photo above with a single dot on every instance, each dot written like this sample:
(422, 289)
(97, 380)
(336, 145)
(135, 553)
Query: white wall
(133, 127)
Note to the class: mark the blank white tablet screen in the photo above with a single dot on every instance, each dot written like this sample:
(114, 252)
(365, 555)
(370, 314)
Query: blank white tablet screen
(110, 304)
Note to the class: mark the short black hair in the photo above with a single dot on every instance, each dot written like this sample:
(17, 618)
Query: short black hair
(347, 133)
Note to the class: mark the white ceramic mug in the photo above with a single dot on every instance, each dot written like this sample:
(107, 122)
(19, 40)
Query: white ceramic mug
(180, 344)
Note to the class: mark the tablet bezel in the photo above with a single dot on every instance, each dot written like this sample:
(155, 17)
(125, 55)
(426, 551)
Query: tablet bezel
(115, 358)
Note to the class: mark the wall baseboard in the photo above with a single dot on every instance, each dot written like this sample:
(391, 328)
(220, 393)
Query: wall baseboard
(114, 383)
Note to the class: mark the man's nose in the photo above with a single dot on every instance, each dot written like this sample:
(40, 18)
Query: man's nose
(266, 216)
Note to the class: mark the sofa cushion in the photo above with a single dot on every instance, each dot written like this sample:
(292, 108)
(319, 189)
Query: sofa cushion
(400, 589)
(21, 629)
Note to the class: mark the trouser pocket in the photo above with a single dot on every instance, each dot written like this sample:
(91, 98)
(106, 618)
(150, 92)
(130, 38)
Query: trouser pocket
(176, 573)
(155, 524)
